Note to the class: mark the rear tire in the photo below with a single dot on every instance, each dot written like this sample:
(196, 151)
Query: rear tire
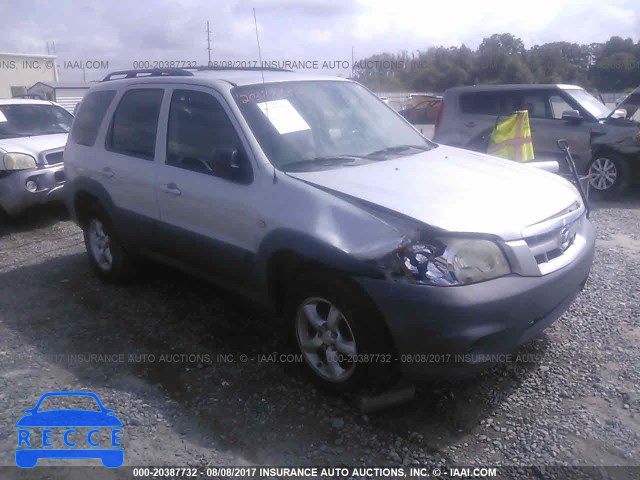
(334, 325)
(107, 255)
(610, 175)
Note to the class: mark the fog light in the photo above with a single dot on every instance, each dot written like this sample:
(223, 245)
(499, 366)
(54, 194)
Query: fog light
(31, 185)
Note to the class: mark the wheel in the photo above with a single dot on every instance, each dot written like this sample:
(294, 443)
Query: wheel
(609, 174)
(334, 326)
(106, 254)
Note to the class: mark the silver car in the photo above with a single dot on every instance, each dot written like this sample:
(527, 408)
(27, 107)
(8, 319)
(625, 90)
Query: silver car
(32, 138)
(386, 254)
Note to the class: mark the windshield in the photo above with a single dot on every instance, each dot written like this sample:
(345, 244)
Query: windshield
(590, 103)
(29, 119)
(313, 125)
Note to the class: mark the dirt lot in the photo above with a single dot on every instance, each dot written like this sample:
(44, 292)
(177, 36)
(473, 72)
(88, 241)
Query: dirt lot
(161, 359)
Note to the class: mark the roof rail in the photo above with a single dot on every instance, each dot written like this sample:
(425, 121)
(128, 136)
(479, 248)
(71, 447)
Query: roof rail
(148, 72)
(248, 69)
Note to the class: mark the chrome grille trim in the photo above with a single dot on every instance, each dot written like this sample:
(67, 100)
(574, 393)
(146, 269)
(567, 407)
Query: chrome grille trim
(549, 250)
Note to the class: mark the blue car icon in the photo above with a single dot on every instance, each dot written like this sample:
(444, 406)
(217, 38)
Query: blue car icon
(31, 449)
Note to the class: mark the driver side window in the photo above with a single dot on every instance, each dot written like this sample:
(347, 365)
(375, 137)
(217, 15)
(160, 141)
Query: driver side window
(558, 106)
(201, 137)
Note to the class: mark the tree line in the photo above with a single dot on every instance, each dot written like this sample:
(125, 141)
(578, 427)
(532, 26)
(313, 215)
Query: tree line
(613, 66)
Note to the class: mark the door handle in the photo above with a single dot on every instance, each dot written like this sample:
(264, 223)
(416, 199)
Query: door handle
(107, 172)
(470, 124)
(171, 189)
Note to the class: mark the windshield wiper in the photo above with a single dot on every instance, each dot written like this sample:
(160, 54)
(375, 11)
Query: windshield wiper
(398, 149)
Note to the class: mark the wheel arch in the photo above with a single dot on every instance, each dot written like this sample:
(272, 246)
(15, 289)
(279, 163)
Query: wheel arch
(285, 254)
(86, 194)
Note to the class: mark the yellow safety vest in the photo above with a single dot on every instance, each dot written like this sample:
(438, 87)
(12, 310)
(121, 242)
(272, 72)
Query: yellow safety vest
(511, 139)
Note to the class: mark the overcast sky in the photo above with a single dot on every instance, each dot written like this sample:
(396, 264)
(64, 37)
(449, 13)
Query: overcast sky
(122, 32)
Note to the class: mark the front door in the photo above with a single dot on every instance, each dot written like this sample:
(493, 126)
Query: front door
(206, 198)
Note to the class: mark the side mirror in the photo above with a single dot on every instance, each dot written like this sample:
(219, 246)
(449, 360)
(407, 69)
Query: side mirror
(572, 116)
(619, 113)
(224, 158)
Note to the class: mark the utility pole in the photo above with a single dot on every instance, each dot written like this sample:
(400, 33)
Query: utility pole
(352, 61)
(209, 43)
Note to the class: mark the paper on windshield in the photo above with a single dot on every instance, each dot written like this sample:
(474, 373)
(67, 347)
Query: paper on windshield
(2, 117)
(283, 116)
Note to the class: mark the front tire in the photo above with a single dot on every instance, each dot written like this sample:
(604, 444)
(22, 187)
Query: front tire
(609, 175)
(339, 332)
(107, 255)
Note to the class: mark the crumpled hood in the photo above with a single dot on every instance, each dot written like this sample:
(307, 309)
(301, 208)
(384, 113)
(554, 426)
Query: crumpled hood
(454, 189)
(33, 145)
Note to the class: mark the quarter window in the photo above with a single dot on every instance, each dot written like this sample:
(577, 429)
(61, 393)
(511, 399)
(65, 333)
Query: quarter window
(90, 114)
(135, 123)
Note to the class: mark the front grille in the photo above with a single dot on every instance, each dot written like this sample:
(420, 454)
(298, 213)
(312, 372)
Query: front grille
(53, 158)
(547, 246)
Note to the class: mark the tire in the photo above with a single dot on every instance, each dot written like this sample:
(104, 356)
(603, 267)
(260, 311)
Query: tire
(106, 253)
(332, 317)
(610, 175)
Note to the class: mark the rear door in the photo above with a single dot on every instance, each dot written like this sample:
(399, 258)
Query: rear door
(125, 167)
(479, 112)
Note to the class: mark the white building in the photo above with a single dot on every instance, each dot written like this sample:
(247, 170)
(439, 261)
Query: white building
(18, 71)
(67, 94)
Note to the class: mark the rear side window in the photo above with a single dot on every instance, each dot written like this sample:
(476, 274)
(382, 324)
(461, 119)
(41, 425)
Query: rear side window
(482, 103)
(135, 123)
(90, 114)
(491, 103)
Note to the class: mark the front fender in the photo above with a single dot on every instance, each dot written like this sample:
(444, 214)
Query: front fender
(310, 249)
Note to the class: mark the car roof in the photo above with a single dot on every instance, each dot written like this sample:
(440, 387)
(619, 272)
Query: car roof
(16, 101)
(233, 77)
(513, 87)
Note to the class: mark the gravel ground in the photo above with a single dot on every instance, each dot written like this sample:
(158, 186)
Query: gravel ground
(573, 398)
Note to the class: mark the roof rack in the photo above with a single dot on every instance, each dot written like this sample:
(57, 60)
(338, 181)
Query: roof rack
(248, 69)
(148, 72)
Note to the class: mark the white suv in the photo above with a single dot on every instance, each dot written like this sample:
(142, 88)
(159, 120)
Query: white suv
(385, 253)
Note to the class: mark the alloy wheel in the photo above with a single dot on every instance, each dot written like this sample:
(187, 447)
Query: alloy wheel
(603, 174)
(326, 339)
(100, 244)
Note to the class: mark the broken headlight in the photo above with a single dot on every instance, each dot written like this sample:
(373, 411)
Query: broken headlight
(446, 262)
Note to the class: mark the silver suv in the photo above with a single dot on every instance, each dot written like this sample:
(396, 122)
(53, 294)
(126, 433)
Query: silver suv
(468, 114)
(386, 253)
(32, 138)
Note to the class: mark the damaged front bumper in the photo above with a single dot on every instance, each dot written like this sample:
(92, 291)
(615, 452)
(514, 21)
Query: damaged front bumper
(445, 332)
